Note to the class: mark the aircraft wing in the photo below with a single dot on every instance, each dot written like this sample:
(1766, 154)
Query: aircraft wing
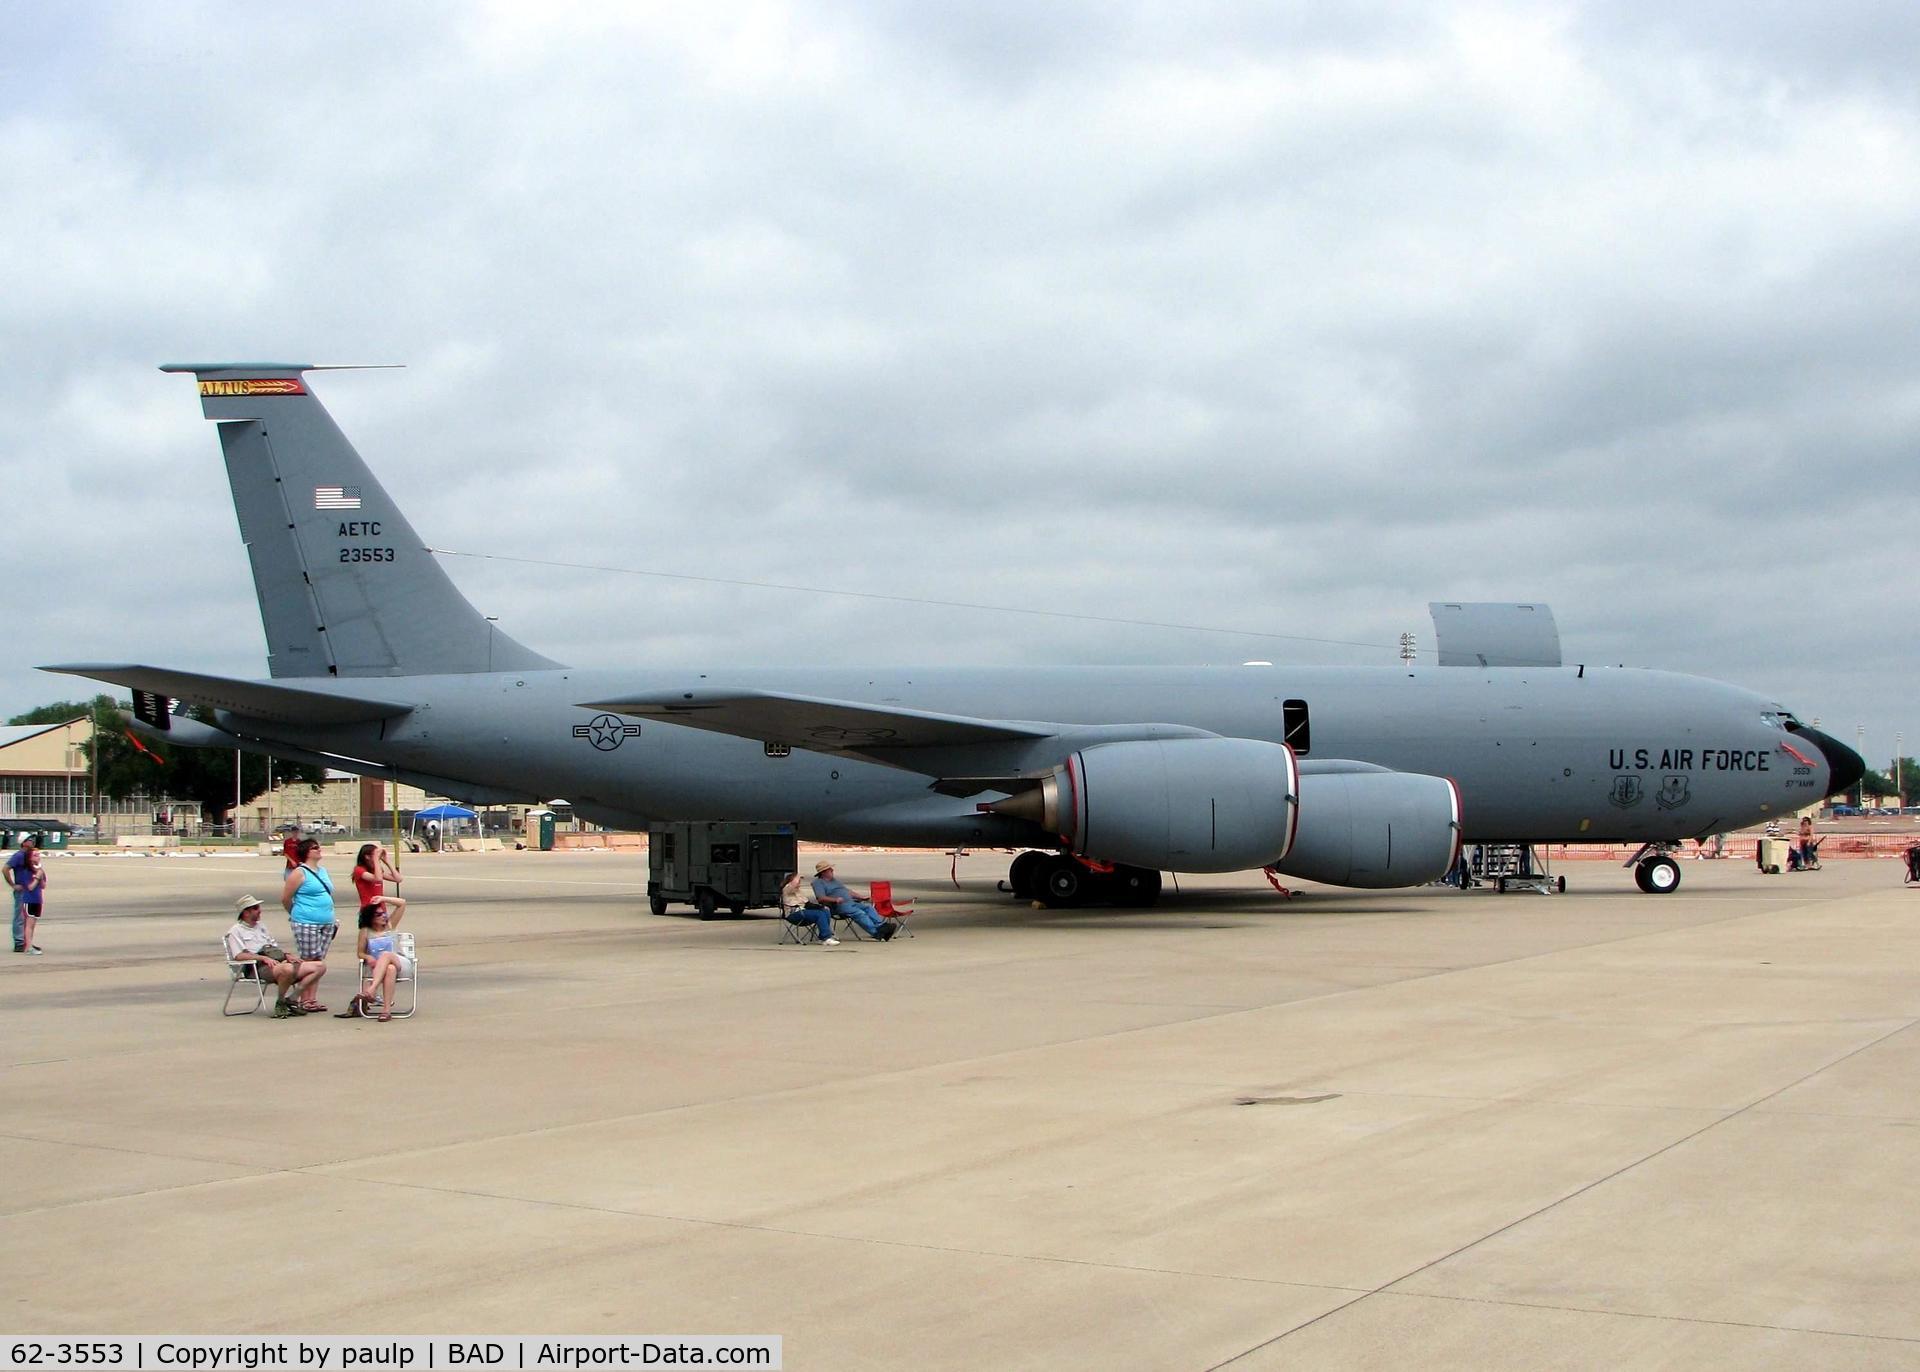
(818, 724)
(962, 755)
(266, 700)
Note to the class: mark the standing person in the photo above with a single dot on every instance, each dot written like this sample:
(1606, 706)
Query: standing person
(372, 871)
(27, 879)
(290, 848)
(384, 963)
(249, 940)
(1809, 845)
(831, 893)
(308, 899)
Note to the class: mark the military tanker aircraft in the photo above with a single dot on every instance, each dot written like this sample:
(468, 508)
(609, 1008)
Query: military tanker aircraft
(1104, 777)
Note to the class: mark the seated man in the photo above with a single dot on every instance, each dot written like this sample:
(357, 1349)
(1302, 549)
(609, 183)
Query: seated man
(842, 902)
(795, 908)
(245, 942)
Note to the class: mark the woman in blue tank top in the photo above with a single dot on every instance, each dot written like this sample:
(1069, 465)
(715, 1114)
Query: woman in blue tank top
(308, 898)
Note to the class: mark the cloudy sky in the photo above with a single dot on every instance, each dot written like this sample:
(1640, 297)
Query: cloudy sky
(1284, 320)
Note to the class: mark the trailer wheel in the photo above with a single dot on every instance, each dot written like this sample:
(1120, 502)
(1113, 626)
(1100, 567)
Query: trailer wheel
(736, 910)
(1063, 883)
(705, 902)
(657, 904)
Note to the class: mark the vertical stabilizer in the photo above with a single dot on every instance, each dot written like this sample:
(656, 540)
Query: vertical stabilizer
(346, 587)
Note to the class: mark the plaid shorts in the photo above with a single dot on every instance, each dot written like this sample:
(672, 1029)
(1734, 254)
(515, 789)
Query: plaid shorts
(310, 940)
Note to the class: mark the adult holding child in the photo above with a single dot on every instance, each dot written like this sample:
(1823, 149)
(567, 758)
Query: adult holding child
(307, 897)
(28, 880)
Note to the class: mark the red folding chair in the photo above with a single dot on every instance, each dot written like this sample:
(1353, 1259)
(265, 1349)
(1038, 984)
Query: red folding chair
(884, 907)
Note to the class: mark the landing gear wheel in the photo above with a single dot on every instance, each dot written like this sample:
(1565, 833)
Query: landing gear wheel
(1561, 883)
(1138, 887)
(1063, 883)
(1658, 876)
(705, 902)
(657, 904)
(1500, 885)
(1024, 876)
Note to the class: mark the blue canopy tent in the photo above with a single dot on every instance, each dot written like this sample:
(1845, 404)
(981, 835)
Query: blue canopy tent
(442, 815)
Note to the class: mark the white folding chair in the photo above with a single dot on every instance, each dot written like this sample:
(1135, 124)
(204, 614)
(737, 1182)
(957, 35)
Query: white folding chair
(239, 974)
(409, 977)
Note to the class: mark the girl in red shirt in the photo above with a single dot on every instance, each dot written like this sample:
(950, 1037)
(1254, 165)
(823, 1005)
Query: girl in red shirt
(371, 874)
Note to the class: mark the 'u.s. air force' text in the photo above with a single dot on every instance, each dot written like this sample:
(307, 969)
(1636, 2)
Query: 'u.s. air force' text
(1683, 760)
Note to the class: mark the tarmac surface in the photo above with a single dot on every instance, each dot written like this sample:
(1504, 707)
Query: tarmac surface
(1355, 1129)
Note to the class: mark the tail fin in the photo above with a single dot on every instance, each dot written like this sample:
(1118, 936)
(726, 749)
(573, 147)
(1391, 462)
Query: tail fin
(346, 587)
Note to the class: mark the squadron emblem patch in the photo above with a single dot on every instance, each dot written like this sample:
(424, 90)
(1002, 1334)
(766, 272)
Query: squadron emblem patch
(1626, 791)
(1673, 793)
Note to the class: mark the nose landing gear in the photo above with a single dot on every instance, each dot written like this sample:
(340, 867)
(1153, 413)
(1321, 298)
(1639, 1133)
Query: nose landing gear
(1653, 871)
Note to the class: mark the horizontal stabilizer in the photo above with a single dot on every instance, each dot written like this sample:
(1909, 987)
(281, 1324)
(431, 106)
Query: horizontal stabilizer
(826, 726)
(264, 700)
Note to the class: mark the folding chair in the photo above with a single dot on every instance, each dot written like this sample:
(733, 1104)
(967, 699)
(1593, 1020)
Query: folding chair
(408, 977)
(249, 974)
(797, 924)
(884, 907)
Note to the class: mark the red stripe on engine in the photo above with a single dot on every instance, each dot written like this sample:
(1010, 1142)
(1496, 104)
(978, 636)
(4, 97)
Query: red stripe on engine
(1293, 788)
(1459, 822)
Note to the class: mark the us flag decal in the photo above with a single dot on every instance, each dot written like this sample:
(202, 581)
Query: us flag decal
(336, 497)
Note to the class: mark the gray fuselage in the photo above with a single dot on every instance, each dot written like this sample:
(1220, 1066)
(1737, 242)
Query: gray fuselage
(1540, 754)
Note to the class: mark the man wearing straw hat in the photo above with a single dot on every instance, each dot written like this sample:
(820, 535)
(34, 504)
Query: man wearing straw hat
(250, 941)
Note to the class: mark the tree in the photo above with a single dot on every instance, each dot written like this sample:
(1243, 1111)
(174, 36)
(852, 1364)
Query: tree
(57, 713)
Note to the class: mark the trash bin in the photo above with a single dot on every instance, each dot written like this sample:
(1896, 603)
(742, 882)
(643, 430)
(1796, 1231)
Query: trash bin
(52, 838)
(546, 832)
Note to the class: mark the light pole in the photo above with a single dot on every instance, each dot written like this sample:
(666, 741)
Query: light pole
(1899, 756)
(1860, 747)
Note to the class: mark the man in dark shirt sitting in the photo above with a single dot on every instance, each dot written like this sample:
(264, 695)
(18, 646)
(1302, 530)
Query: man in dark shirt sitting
(828, 890)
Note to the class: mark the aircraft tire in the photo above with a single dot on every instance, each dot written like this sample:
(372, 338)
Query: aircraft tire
(705, 902)
(1137, 887)
(1024, 876)
(657, 904)
(1063, 883)
(1562, 883)
(1500, 885)
(1658, 876)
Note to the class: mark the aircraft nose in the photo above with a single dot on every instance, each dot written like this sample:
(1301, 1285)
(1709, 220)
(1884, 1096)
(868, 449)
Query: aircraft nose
(1844, 766)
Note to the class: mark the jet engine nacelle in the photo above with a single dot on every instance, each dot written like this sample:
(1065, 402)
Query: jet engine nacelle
(1178, 805)
(1232, 804)
(1374, 829)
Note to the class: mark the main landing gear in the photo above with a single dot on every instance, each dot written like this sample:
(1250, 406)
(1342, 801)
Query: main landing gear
(1653, 870)
(1063, 881)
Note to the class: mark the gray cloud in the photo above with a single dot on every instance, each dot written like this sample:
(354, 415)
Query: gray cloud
(1286, 321)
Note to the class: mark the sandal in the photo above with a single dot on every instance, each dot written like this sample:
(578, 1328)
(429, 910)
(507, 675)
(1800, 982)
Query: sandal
(311, 1007)
(385, 1018)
